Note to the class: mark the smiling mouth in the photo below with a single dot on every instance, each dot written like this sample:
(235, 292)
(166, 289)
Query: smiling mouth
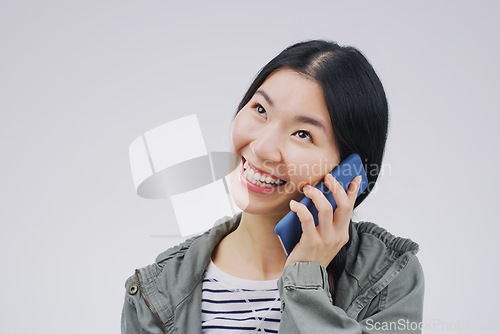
(260, 178)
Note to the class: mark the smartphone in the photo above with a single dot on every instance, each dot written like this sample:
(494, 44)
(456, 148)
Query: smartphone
(289, 228)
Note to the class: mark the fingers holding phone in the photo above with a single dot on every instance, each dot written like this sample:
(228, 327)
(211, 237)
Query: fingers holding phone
(345, 201)
(322, 243)
(342, 186)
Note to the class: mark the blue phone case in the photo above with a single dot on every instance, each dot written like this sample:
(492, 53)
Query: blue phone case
(289, 228)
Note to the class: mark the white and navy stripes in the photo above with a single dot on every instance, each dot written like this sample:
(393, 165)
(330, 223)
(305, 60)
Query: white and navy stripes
(235, 305)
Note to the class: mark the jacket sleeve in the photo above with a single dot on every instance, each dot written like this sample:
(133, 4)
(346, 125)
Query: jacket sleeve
(307, 305)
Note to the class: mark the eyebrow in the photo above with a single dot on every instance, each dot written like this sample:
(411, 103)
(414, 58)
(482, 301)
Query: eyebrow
(309, 120)
(266, 97)
(298, 118)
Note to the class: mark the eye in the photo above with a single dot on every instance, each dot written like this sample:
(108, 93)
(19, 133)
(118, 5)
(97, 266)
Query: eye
(302, 134)
(260, 109)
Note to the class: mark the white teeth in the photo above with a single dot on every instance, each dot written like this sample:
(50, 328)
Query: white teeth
(251, 172)
(261, 180)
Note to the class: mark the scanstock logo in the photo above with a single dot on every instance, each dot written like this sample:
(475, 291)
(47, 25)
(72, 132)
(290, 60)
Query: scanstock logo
(195, 180)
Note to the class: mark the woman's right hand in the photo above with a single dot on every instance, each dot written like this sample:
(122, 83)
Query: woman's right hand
(322, 243)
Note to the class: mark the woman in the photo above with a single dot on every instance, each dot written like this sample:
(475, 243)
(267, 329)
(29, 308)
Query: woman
(309, 108)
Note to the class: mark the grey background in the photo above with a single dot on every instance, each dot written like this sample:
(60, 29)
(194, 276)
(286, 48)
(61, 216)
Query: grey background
(80, 80)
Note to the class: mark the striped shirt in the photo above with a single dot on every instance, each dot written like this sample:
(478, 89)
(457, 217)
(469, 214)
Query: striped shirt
(235, 305)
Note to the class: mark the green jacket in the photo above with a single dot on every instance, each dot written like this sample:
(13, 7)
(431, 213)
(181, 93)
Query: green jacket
(380, 291)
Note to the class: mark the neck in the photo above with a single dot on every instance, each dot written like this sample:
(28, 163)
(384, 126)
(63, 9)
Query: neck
(253, 250)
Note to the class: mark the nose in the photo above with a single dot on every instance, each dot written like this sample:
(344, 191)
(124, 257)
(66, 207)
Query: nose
(267, 145)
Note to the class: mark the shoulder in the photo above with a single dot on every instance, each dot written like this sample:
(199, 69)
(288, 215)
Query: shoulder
(154, 292)
(374, 251)
(381, 269)
(371, 234)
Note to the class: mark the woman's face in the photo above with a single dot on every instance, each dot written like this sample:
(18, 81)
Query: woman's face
(285, 140)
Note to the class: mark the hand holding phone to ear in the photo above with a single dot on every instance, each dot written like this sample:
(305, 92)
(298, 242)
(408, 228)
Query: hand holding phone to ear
(321, 243)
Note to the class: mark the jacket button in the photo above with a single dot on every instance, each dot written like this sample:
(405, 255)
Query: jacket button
(133, 289)
(398, 254)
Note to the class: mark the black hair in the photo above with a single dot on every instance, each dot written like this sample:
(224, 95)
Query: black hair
(356, 103)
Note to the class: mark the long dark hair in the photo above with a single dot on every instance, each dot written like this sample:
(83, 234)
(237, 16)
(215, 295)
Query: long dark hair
(355, 100)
